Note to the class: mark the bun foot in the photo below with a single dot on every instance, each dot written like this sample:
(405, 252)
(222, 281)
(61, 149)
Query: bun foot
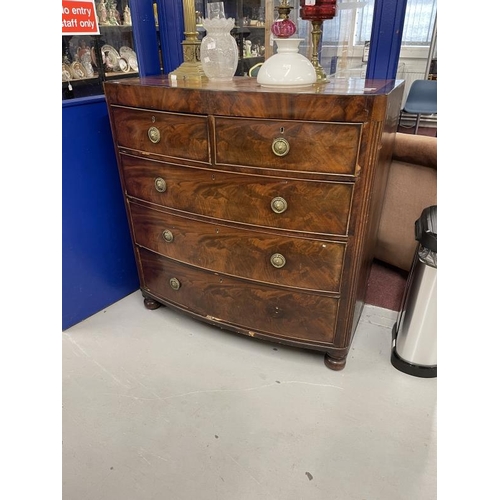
(336, 364)
(151, 304)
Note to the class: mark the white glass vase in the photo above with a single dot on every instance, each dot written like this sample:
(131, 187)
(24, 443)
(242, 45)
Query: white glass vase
(287, 68)
(218, 51)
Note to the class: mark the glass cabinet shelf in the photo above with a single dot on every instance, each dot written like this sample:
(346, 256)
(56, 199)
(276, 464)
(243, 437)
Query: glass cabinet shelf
(89, 60)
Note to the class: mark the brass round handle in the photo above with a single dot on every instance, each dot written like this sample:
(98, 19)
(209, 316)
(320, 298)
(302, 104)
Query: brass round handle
(160, 185)
(279, 205)
(168, 236)
(175, 283)
(154, 135)
(280, 146)
(278, 260)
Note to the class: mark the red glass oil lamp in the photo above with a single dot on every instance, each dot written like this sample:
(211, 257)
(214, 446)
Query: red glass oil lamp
(316, 11)
(283, 27)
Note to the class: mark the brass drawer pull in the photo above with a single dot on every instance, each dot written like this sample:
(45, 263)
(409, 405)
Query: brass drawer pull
(280, 146)
(278, 260)
(168, 236)
(154, 135)
(160, 185)
(279, 205)
(175, 283)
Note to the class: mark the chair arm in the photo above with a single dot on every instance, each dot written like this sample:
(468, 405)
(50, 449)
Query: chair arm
(410, 188)
(415, 149)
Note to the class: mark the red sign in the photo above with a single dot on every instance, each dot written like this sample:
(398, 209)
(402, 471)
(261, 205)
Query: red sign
(79, 17)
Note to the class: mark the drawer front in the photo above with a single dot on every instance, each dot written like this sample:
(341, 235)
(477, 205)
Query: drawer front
(168, 134)
(294, 315)
(294, 262)
(288, 145)
(308, 206)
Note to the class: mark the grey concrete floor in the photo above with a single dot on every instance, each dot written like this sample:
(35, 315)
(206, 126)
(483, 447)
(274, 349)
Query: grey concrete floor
(157, 406)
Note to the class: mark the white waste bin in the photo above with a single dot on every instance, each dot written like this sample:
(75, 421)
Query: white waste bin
(414, 346)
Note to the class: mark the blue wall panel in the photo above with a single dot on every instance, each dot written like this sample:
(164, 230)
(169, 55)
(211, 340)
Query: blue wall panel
(385, 42)
(145, 37)
(98, 266)
(171, 23)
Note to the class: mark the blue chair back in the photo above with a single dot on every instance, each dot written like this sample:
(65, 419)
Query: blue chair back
(422, 97)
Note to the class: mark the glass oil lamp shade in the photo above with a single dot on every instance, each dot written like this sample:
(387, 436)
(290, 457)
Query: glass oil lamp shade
(315, 10)
(283, 28)
(287, 68)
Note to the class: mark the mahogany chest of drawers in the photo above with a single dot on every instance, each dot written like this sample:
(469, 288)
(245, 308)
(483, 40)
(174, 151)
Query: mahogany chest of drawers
(252, 209)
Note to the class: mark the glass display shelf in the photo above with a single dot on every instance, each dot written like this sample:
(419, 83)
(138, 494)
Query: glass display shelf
(89, 60)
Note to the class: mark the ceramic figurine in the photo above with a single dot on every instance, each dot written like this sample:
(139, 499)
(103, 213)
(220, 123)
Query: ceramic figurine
(127, 19)
(102, 13)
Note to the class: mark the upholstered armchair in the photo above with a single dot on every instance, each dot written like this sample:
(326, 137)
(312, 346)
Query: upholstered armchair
(411, 187)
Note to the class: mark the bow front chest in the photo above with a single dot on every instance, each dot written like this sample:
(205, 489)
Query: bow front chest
(256, 209)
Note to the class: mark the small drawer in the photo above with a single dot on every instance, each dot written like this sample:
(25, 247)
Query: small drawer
(307, 206)
(320, 147)
(255, 255)
(243, 304)
(167, 134)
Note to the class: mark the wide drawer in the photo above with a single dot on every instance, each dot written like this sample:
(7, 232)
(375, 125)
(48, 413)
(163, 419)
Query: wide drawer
(308, 206)
(167, 134)
(288, 145)
(244, 304)
(256, 255)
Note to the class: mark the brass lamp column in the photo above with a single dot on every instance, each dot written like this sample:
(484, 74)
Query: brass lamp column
(316, 31)
(316, 11)
(191, 68)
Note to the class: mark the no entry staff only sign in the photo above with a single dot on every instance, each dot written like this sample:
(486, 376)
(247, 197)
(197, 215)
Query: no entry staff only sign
(79, 17)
